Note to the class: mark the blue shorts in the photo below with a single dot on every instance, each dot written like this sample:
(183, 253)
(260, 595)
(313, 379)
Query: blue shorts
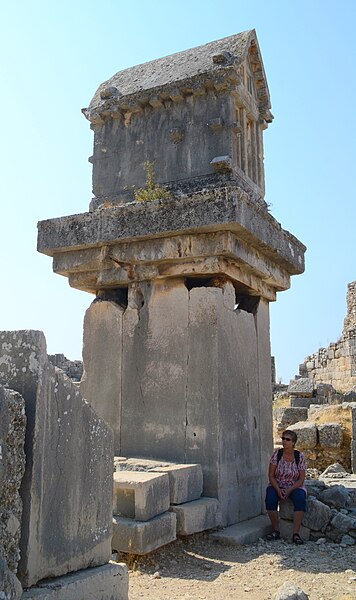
(298, 497)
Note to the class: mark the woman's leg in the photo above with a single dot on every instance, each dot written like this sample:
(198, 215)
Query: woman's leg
(298, 498)
(271, 506)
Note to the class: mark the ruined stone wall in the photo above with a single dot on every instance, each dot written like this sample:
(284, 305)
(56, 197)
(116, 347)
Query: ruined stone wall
(350, 319)
(336, 364)
(72, 368)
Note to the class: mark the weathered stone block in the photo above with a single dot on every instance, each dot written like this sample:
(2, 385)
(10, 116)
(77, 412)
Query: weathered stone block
(290, 591)
(334, 470)
(67, 488)
(139, 464)
(286, 529)
(299, 402)
(142, 537)
(197, 515)
(289, 415)
(301, 387)
(307, 434)
(12, 467)
(330, 435)
(317, 515)
(185, 482)
(336, 496)
(139, 495)
(108, 582)
(102, 358)
(343, 523)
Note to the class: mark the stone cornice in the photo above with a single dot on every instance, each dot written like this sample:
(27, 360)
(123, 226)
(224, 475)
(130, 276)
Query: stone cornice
(227, 209)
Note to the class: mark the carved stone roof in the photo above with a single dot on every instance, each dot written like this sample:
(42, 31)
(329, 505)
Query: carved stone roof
(190, 71)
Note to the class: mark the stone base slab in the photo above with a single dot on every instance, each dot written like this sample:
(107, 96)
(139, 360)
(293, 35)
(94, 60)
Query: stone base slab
(246, 532)
(142, 537)
(197, 515)
(108, 582)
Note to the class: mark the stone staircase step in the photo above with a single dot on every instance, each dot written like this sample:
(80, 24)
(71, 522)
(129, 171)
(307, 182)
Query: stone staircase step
(246, 532)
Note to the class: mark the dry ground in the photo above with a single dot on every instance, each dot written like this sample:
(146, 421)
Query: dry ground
(197, 568)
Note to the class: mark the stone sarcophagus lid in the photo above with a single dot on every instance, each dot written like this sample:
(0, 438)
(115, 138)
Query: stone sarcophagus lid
(199, 115)
(176, 344)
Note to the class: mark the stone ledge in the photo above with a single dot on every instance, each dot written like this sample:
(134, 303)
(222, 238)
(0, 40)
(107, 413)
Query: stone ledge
(226, 209)
(108, 582)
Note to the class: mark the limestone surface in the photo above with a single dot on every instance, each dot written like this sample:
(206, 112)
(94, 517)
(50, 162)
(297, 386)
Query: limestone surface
(12, 468)
(108, 582)
(330, 435)
(306, 432)
(140, 496)
(67, 486)
(197, 515)
(10, 587)
(142, 537)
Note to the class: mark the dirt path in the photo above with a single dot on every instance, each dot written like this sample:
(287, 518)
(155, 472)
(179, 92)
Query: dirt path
(200, 569)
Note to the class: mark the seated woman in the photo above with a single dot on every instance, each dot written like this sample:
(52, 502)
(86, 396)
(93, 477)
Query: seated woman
(286, 477)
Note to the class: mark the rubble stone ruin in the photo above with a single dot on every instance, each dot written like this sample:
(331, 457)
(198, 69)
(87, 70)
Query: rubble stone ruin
(336, 364)
(176, 343)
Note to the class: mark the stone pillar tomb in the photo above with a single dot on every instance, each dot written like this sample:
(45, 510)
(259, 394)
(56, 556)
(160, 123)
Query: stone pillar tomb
(176, 344)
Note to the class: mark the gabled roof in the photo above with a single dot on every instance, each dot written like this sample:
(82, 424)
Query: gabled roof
(202, 64)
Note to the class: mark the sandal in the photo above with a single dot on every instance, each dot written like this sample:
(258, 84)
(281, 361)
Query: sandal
(297, 539)
(275, 535)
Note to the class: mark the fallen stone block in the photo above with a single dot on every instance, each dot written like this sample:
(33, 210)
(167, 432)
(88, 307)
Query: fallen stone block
(317, 515)
(307, 434)
(140, 495)
(314, 487)
(336, 496)
(330, 435)
(301, 387)
(185, 482)
(108, 582)
(197, 515)
(290, 591)
(286, 529)
(343, 523)
(289, 415)
(334, 469)
(142, 537)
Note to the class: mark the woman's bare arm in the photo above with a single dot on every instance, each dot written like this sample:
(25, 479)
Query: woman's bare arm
(273, 481)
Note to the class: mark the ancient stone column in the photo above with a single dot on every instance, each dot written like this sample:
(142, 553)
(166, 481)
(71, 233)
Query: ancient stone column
(176, 344)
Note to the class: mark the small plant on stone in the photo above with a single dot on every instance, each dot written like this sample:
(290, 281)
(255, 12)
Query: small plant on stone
(151, 191)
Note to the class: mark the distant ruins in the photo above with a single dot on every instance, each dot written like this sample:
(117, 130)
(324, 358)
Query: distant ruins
(176, 350)
(336, 364)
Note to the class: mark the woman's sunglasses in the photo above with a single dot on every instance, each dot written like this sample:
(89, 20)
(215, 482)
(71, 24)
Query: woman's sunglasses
(284, 439)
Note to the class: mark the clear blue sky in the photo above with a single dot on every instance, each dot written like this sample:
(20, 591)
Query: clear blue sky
(55, 54)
